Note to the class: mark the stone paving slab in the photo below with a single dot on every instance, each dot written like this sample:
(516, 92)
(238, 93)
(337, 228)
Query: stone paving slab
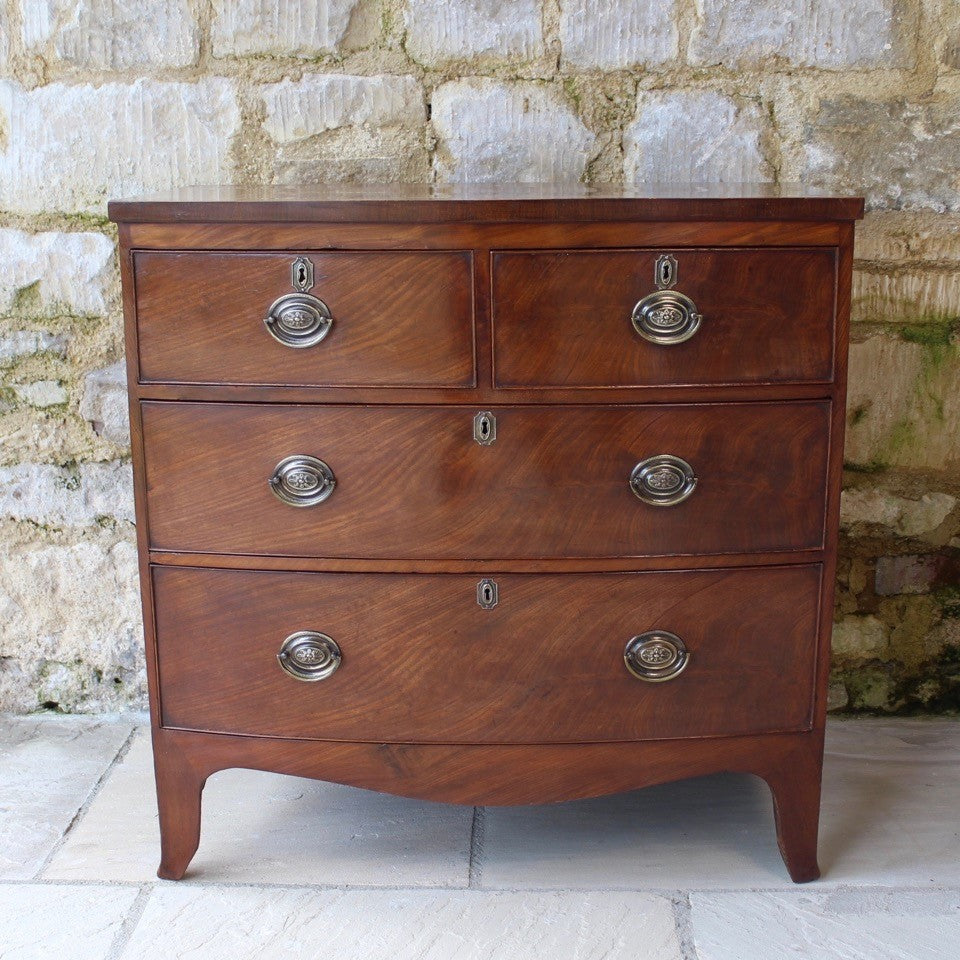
(889, 788)
(889, 817)
(61, 922)
(264, 828)
(48, 768)
(291, 867)
(845, 924)
(712, 831)
(244, 924)
(891, 796)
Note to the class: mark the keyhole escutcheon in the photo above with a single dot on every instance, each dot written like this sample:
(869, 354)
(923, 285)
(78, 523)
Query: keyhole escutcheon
(485, 428)
(488, 595)
(301, 274)
(665, 271)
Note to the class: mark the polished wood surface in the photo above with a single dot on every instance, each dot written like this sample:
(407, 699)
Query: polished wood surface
(444, 203)
(544, 665)
(585, 234)
(497, 775)
(412, 482)
(484, 395)
(795, 426)
(239, 561)
(399, 319)
(562, 318)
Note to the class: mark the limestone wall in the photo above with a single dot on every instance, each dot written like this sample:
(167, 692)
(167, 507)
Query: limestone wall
(100, 98)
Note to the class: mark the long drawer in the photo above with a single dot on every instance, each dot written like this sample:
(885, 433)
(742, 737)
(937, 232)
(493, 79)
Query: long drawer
(413, 482)
(421, 661)
(394, 318)
(571, 318)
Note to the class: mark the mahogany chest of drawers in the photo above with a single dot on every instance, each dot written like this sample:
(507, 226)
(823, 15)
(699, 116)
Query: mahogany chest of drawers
(488, 495)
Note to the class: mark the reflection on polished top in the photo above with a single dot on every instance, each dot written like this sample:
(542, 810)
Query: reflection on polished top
(412, 202)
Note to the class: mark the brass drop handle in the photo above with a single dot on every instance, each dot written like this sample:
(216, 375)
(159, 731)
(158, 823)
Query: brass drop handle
(298, 320)
(302, 481)
(663, 480)
(666, 317)
(309, 656)
(656, 656)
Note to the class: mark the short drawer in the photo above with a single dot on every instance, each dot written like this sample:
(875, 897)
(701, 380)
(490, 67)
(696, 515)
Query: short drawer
(400, 319)
(565, 318)
(413, 482)
(420, 661)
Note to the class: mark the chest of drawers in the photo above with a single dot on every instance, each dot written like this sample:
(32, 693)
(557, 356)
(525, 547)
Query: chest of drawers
(487, 495)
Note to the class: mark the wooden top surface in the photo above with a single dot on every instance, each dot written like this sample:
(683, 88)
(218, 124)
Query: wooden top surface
(478, 203)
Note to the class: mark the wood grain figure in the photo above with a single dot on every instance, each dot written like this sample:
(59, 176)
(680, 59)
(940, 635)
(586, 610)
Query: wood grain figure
(571, 455)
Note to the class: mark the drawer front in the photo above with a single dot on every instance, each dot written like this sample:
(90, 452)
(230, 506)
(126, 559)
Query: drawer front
(412, 482)
(421, 661)
(398, 319)
(563, 318)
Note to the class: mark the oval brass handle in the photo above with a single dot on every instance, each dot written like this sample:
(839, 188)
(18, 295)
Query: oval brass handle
(656, 655)
(663, 480)
(298, 320)
(666, 317)
(302, 481)
(309, 656)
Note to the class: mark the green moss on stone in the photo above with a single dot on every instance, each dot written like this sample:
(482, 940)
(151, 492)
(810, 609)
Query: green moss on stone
(857, 414)
(935, 333)
(949, 599)
(387, 21)
(876, 465)
(573, 94)
(870, 688)
(937, 339)
(901, 436)
(89, 221)
(932, 694)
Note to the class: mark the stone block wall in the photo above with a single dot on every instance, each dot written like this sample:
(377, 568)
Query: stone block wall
(100, 98)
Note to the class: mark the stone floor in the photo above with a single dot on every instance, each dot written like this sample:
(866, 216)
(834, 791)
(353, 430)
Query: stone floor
(294, 868)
